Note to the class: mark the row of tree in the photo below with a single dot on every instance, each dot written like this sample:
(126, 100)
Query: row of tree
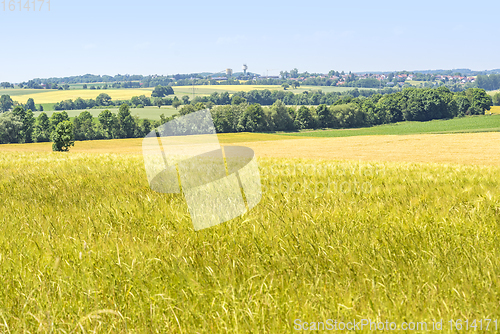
(488, 82)
(104, 100)
(412, 104)
(20, 125)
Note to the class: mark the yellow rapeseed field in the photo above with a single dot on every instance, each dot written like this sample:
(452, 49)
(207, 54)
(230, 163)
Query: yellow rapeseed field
(73, 94)
(494, 110)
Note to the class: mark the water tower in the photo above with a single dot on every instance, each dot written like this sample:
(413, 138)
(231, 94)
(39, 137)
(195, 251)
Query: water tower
(245, 67)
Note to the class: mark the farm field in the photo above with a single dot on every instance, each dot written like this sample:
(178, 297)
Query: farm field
(456, 125)
(494, 110)
(87, 246)
(53, 96)
(152, 113)
(42, 96)
(460, 148)
(19, 92)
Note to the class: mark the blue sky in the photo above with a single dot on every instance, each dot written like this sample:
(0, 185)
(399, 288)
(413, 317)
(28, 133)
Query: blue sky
(166, 37)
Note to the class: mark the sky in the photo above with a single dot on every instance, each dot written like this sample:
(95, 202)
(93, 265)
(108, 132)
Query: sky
(168, 37)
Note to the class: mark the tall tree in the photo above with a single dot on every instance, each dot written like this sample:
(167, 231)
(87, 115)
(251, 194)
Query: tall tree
(63, 137)
(5, 103)
(41, 130)
(28, 120)
(126, 121)
(103, 99)
(56, 118)
(10, 126)
(304, 119)
(324, 116)
(281, 117)
(30, 104)
(109, 123)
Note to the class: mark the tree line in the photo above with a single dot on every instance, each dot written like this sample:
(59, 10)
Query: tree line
(411, 104)
(20, 125)
(488, 82)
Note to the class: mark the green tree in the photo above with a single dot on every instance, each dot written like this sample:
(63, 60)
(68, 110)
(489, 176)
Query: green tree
(186, 109)
(108, 123)
(463, 104)
(479, 99)
(80, 103)
(30, 104)
(285, 85)
(496, 99)
(226, 117)
(281, 117)
(41, 131)
(349, 115)
(145, 127)
(176, 104)
(324, 116)
(62, 137)
(28, 120)
(5, 103)
(57, 118)
(103, 99)
(83, 126)
(185, 99)
(126, 122)
(10, 126)
(304, 119)
(253, 119)
(162, 91)
(237, 100)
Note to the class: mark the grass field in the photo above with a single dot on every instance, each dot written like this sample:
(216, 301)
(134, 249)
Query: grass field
(456, 125)
(87, 246)
(14, 93)
(152, 113)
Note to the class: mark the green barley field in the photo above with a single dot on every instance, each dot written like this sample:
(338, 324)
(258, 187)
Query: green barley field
(87, 247)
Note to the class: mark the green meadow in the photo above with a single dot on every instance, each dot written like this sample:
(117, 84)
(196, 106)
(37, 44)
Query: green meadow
(486, 123)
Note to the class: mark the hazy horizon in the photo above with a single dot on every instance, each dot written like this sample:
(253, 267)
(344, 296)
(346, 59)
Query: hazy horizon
(156, 37)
